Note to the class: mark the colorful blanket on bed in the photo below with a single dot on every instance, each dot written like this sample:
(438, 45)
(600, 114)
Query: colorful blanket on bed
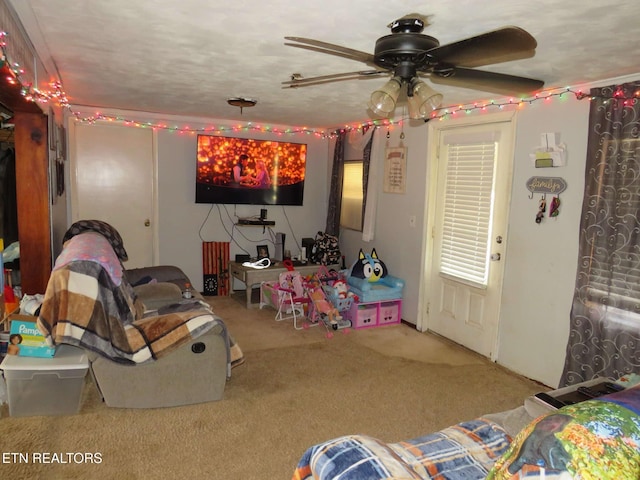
(464, 451)
(83, 306)
(597, 439)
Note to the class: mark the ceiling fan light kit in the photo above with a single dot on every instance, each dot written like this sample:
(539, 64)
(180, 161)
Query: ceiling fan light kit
(383, 100)
(423, 100)
(407, 55)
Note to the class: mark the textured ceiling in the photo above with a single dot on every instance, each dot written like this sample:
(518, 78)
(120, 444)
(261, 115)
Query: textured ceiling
(187, 57)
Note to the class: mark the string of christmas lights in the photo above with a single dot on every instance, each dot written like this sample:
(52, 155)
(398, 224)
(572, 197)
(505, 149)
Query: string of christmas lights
(57, 95)
(186, 129)
(444, 113)
(28, 90)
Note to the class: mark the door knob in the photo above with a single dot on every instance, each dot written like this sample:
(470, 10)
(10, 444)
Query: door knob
(147, 222)
(495, 257)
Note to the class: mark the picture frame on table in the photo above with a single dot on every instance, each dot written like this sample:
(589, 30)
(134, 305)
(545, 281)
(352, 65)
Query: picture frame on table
(263, 251)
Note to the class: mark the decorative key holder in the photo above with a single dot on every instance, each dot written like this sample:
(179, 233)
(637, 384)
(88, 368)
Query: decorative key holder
(545, 185)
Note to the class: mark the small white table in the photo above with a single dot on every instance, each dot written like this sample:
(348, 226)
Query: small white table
(254, 276)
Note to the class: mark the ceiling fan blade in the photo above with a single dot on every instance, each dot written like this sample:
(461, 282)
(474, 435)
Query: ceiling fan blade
(320, 81)
(486, 81)
(330, 48)
(501, 45)
(336, 76)
(331, 52)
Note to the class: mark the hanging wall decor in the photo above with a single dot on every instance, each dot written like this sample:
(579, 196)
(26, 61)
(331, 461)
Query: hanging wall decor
(53, 130)
(544, 185)
(395, 170)
(553, 185)
(550, 153)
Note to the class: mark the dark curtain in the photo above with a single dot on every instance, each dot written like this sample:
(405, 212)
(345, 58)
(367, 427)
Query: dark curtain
(366, 161)
(605, 315)
(335, 193)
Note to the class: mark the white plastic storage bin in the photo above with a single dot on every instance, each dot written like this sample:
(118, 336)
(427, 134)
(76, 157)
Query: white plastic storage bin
(45, 386)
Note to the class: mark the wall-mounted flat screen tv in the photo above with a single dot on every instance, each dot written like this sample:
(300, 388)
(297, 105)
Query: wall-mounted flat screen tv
(253, 172)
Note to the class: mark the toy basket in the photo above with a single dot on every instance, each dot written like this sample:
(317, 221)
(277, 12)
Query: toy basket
(327, 276)
(341, 304)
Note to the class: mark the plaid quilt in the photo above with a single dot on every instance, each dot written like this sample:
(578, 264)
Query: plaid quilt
(85, 307)
(464, 451)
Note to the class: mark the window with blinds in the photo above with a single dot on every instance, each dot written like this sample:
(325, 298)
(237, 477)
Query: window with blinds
(467, 209)
(352, 196)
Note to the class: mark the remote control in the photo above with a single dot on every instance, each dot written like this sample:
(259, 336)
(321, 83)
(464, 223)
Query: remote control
(613, 387)
(549, 400)
(588, 392)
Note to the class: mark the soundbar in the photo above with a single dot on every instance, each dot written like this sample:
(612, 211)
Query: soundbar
(255, 221)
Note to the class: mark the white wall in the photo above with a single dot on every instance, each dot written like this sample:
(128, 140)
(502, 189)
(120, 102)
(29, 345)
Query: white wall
(184, 225)
(540, 259)
(396, 243)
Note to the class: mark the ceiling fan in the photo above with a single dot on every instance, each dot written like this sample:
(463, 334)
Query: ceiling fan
(407, 55)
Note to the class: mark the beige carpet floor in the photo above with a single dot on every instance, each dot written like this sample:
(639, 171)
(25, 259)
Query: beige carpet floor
(295, 389)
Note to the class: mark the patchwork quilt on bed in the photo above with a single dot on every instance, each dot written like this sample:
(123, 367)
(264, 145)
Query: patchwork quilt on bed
(464, 451)
(86, 305)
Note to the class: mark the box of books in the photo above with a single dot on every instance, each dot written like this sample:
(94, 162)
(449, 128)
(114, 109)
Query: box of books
(25, 339)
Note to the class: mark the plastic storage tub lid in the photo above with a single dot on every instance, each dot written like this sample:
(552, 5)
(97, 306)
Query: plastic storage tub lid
(67, 357)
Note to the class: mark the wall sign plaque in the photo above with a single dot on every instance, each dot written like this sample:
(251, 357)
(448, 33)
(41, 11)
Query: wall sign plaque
(553, 185)
(395, 170)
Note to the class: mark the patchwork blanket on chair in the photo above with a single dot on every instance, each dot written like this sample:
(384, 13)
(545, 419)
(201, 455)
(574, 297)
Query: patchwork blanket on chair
(86, 305)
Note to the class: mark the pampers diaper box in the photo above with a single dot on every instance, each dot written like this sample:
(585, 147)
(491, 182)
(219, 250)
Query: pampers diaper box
(26, 340)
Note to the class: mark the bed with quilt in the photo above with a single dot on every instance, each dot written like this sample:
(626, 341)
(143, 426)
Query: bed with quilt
(598, 439)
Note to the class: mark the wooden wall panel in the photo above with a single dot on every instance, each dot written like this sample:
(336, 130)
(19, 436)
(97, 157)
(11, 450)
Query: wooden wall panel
(32, 186)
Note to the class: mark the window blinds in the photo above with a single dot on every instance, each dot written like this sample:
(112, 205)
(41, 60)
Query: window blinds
(467, 209)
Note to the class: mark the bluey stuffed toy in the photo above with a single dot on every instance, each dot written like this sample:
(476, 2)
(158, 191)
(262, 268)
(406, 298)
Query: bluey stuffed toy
(369, 267)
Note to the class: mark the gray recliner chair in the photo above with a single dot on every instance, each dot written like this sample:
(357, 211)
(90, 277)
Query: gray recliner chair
(147, 346)
(194, 373)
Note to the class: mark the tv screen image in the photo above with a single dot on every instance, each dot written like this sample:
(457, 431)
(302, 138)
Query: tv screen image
(233, 170)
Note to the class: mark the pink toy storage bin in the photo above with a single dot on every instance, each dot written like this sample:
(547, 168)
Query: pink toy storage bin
(389, 312)
(374, 314)
(363, 316)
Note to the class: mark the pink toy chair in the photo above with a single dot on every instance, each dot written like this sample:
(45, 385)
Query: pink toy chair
(287, 296)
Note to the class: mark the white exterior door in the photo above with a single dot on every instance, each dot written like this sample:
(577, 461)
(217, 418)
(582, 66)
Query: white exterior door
(113, 178)
(470, 192)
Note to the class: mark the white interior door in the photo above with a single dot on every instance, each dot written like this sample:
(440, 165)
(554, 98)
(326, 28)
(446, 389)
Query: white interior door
(471, 188)
(113, 179)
